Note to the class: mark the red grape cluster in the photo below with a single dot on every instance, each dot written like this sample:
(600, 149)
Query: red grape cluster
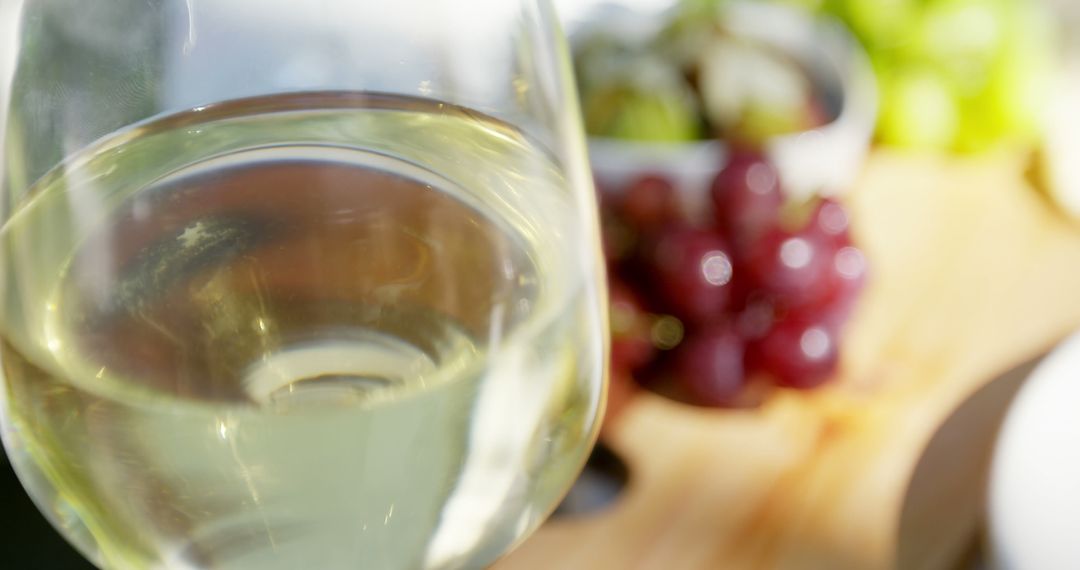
(698, 310)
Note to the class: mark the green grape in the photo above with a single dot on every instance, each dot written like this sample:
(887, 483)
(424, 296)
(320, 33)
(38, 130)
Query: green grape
(961, 39)
(685, 37)
(752, 92)
(603, 58)
(812, 5)
(1018, 90)
(878, 23)
(761, 122)
(631, 93)
(699, 8)
(1010, 107)
(651, 117)
(651, 102)
(919, 110)
(956, 75)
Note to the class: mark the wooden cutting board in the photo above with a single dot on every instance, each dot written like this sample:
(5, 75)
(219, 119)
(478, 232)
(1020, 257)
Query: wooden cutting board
(973, 273)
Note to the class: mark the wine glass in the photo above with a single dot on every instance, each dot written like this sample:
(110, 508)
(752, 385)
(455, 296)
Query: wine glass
(296, 284)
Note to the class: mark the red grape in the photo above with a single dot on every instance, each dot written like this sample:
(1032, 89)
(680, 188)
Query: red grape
(631, 347)
(694, 271)
(630, 353)
(650, 203)
(845, 266)
(797, 353)
(710, 368)
(792, 267)
(847, 275)
(618, 239)
(830, 220)
(753, 297)
(757, 317)
(746, 198)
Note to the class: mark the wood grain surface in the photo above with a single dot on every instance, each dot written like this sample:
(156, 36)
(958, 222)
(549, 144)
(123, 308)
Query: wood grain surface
(973, 273)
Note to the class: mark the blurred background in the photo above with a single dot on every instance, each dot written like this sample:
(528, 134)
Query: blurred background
(842, 237)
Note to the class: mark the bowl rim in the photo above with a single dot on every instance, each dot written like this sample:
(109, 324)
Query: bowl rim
(841, 143)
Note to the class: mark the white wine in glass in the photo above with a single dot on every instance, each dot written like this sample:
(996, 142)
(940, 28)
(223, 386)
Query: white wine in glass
(305, 320)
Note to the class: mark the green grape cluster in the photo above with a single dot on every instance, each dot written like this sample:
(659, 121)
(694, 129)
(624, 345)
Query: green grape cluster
(681, 76)
(956, 75)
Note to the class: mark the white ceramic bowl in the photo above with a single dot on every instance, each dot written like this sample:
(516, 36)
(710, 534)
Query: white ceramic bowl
(1034, 493)
(824, 160)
